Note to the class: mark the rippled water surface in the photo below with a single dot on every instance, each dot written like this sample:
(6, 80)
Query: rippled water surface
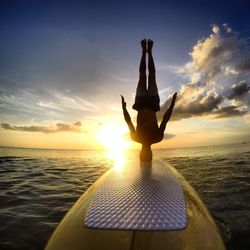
(37, 188)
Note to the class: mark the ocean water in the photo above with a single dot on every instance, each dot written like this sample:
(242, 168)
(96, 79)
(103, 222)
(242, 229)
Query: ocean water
(38, 187)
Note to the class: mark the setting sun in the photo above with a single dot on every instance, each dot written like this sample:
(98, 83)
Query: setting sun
(112, 137)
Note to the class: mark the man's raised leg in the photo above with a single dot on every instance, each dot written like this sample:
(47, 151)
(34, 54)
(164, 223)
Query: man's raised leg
(142, 84)
(152, 87)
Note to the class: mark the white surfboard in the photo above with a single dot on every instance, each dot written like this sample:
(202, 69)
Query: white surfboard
(138, 198)
(138, 207)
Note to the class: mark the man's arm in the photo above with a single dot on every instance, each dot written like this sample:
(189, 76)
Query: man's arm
(127, 116)
(168, 114)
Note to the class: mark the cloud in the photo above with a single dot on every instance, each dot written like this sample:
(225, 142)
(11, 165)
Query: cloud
(227, 28)
(244, 66)
(123, 79)
(239, 90)
(212, 54)
(216, 62)
(229, 111)
(79, 124)
(168, 136)
(193, 101)
(215, 29)
(43, 104)
(59, 127)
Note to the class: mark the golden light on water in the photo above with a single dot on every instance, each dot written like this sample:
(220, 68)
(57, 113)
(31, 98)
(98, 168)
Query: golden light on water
(118, 157)
(112, 137)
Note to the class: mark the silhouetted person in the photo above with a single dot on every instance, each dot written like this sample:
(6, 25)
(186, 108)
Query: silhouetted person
(147, 103)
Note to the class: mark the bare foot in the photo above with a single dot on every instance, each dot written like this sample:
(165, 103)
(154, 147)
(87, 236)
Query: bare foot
(150, 45)
(144, 45)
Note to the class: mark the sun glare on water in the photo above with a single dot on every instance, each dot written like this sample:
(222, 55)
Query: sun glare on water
(112, 137)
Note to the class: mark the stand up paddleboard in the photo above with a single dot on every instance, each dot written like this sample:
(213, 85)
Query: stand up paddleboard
(138, 206)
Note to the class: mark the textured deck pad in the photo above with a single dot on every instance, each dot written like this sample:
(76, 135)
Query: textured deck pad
(138, 198)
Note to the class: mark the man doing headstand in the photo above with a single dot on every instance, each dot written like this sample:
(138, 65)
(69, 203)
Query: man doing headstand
(147, 103)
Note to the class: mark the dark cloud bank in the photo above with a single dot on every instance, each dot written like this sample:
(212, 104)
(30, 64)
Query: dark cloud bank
(239, 90)
(207, 104)
(59, 127)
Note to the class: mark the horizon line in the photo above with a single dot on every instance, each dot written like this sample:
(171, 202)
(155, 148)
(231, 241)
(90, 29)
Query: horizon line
(68, 149)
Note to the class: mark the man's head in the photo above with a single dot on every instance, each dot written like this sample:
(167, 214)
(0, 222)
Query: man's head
(146, 154)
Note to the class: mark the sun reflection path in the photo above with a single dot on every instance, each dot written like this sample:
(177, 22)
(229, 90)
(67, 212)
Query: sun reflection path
(112, 137)
(118, 157)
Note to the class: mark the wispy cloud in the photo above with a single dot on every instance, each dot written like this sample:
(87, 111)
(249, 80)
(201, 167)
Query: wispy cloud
(168, 136)
(218, 72)
(124, 79)
(43, 105)
(59, 127)
(229, 111)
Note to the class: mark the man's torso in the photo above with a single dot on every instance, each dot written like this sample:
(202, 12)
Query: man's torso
(147, 130)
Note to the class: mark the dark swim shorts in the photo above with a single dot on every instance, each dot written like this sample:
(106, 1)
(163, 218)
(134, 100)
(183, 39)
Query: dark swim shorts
(151, 102)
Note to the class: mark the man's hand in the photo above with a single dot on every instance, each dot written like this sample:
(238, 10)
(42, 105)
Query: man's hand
(168, 114)
(123, 102)
(173, 99)
(127, 116)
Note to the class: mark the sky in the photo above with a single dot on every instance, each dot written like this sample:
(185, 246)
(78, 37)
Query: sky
(64, 65)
